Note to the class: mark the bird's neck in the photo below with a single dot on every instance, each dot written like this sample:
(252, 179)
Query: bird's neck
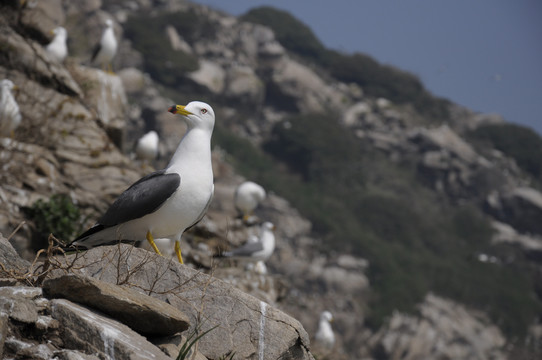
(194, 148)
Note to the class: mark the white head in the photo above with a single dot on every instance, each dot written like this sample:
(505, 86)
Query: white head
(268, 226)
(152, 136)
(326, 315)
(60, 32)
(7, 84)
(197, 114)
(109, 23)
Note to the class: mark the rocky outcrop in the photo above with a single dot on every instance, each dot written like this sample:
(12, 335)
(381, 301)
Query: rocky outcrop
(444, 330)
(130, 307)
(79, 125)
(246, 324)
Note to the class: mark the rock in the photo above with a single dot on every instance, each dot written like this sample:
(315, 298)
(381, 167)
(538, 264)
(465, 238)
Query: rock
(171, 346)
(36, 352)
(74, 355)
(133, 80)
(4, 323)
(43, 16)
(10, 259)
(209, 75)
(28, 56)
(93, 333)
(520, 207)
(504, 233)
(247, 325)
(444, 330)
(242, 84)
(176, 41)
(17, 303)
(140, 312)
(105, 94)
(445, 138)
(300, 88)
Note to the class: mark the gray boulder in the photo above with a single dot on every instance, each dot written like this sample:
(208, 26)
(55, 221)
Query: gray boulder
(95, 333)
(139, 311)
(246, 325)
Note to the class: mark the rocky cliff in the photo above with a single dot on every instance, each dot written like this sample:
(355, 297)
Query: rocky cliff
(78, 131)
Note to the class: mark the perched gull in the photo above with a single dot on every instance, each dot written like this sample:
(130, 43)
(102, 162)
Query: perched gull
(105, 50)
(165, 203)
(324, 335)
(247, 197)
(255, 249)
(10, 116)
(147, 146)
(57, 48)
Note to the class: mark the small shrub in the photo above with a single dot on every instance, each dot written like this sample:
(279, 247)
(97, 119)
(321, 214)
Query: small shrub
(58, 216)
(521, 143)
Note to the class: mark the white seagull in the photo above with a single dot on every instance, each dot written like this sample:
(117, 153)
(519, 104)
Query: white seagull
(147, 146)
(255, 249)
(57, 48)
(324, 335)
(10, 115)
(247, 197)
(164, 203)
(105, 50)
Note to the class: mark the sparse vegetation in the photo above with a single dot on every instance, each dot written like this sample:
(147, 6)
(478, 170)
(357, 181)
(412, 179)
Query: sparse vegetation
(58, 216)
(376, 79)
(162, 62)
(414, 240)
(520, 143)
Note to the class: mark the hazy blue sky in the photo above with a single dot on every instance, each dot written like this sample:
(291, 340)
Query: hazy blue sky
(483, 54)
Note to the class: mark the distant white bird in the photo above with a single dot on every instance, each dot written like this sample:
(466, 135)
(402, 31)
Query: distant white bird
(247, 197)
(324, 335)
(57, 48)
(106, 49)
(260, 268)
(147, 146)
(10, 115)
(256, 249)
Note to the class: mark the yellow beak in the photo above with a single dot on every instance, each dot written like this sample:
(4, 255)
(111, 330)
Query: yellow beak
(179, 109)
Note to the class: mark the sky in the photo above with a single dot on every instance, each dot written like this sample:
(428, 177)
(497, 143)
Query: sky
(483, 54)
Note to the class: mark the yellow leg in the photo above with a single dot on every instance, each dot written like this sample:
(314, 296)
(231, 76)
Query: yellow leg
(178, 251)
(151, 241)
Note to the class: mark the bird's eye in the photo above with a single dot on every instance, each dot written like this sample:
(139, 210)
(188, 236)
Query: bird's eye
(204, 111)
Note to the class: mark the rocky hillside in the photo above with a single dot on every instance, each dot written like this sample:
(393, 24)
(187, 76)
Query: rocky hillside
(413, 220)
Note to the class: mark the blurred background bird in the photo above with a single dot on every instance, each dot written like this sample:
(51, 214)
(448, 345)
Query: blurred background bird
(147, 146)
(106, 49)
(10, 115)
(257, 248)
(57, 48)
(247, 197)
(324, 335)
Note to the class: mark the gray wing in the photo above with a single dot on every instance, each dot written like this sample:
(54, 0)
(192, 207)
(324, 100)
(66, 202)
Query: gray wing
(246, 250)
(143, 197)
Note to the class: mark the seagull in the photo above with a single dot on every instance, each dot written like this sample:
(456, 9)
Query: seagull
(147, 146)
(164, 203)
(324, 335)
(57, 48)
(247, 197)
(105, 51)
(255, 249)
(10, 115)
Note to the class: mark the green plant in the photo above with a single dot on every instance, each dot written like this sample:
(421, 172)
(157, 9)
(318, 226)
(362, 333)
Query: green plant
(191, 341)
(58, 216)
(520, 143)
